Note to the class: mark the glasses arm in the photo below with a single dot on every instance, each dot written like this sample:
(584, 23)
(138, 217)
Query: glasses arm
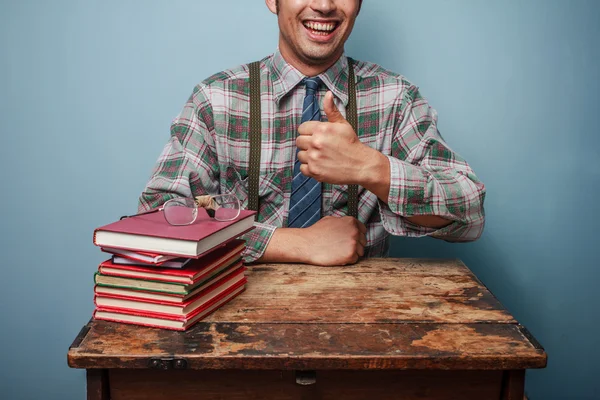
(142, 213)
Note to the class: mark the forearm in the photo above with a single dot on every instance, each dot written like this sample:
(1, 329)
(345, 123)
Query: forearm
(286, 245)
(375, 178)
(330, 241)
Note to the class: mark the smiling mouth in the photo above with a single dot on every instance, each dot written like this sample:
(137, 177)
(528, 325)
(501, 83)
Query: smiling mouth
(320, 28)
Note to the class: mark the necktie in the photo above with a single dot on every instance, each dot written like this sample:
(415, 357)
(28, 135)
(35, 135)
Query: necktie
(305, 201)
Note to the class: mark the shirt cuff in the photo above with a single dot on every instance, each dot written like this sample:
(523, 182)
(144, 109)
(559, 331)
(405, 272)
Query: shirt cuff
(257, 241)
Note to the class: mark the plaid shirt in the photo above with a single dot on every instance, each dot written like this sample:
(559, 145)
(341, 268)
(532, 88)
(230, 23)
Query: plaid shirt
(208, 153)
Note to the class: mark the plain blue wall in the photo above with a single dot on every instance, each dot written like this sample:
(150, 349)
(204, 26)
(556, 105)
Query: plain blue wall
(88, 90)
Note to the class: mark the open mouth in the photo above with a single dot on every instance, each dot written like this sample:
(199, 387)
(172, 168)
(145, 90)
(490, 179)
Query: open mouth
(320, 28)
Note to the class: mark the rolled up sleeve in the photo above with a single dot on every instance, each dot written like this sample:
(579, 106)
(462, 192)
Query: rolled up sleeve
(429, 178)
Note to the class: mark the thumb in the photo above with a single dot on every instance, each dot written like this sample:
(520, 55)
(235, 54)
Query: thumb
(332, 112)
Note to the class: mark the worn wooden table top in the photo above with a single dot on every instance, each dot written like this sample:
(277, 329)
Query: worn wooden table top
(378, 314)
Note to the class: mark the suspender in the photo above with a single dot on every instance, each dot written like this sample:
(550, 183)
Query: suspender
(256, 133)
(353, 120)
(255, 136)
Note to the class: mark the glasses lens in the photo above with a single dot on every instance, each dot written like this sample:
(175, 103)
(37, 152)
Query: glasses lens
(227, 207)
(180, 211)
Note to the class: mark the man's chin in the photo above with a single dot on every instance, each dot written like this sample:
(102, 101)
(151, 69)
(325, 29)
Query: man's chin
(320, 57)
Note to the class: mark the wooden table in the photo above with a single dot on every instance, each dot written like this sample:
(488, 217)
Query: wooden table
(382, 329)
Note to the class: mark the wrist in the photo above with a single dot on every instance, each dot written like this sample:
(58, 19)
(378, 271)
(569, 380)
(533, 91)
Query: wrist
(375, 169)
(302, 251)
(288, 245)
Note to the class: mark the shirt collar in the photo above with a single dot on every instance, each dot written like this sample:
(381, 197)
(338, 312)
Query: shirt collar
(285, 77)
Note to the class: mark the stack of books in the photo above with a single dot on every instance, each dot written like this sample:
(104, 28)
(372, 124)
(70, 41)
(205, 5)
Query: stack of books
(167, 276)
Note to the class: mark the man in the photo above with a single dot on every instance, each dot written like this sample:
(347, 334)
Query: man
(410, 182)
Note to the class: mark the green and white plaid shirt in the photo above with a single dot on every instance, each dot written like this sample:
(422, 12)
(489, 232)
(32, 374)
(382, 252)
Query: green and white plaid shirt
(208, 153)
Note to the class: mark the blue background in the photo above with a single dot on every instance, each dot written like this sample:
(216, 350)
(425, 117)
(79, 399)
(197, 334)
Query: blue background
(88, 90)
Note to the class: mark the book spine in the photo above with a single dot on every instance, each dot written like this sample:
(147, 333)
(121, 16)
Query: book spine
(181, 292)
(183, 328)
(133, 274)
(177, 297)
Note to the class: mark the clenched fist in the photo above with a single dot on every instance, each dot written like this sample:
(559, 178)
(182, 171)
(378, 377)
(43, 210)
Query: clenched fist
(331, 151)
(335, 241)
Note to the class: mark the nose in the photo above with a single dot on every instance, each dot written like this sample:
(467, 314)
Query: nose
(323, 6)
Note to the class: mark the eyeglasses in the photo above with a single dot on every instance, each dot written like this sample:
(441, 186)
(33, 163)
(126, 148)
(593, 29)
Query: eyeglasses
(184, 211)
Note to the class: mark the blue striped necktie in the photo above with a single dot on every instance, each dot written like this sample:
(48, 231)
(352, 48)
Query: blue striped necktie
(305, 201)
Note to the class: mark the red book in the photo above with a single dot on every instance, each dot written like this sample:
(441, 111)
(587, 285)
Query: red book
(152, 233)
(192, 273)
(158, 320)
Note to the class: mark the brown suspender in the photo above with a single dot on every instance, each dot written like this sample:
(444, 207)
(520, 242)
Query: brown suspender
(256, 132)
(255, 136)
(352, 118)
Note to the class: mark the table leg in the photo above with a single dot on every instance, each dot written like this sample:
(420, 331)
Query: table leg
(97, 384)
(513, 385)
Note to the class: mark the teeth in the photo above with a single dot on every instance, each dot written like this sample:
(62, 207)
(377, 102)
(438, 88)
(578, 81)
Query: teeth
(327, 27)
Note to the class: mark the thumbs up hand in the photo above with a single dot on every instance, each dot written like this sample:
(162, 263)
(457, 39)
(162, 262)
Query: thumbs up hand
(331, 151)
